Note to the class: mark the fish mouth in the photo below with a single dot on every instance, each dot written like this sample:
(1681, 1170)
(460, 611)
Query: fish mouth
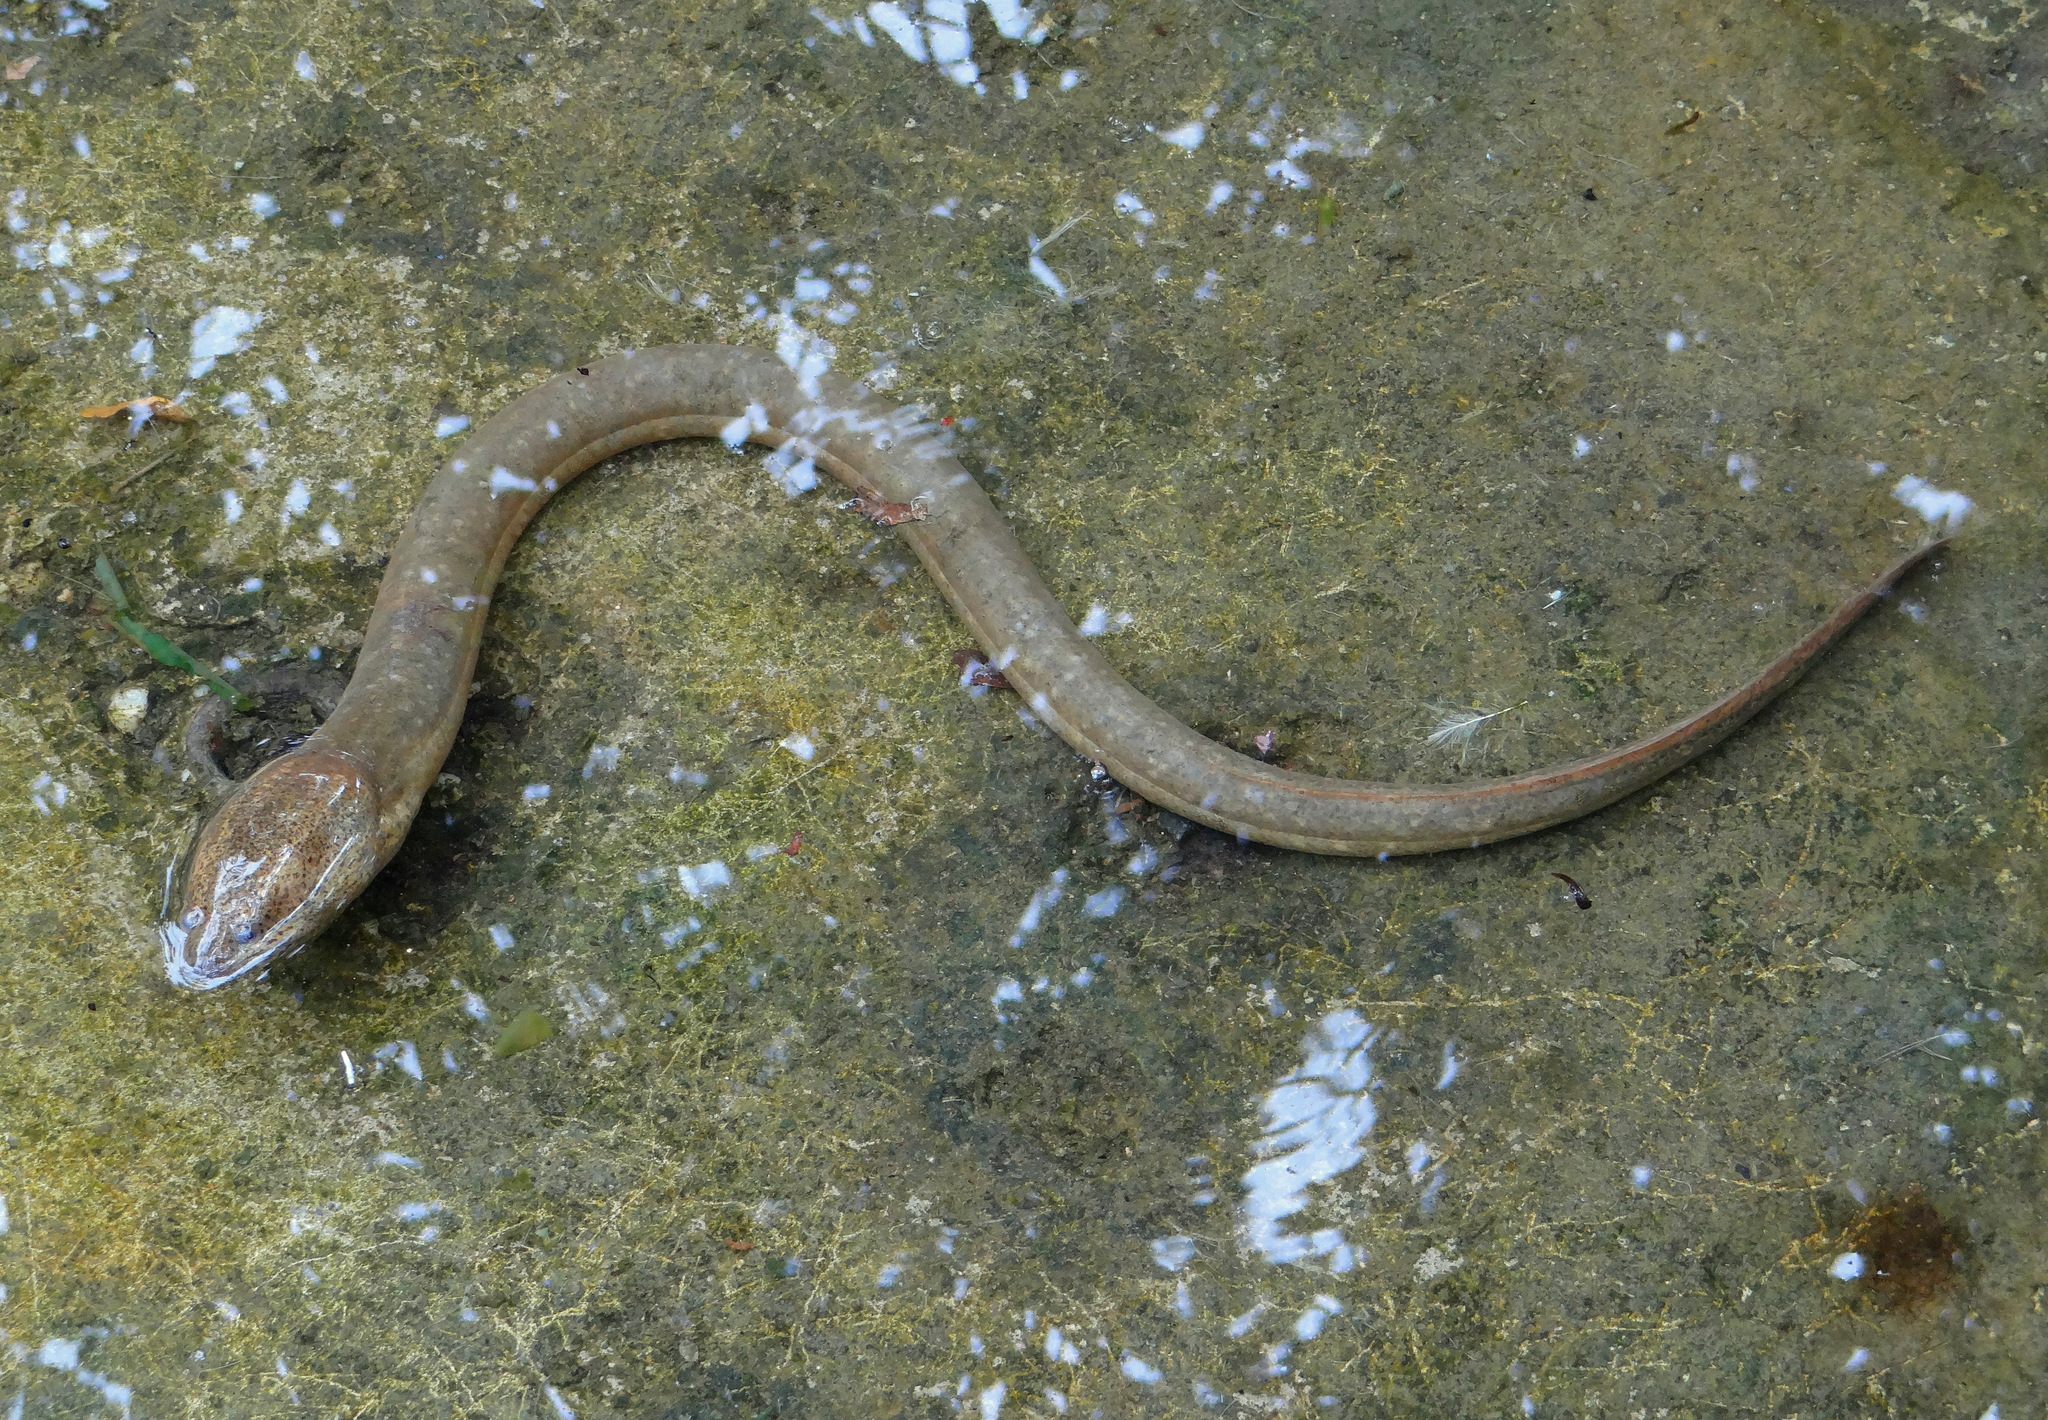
(272, 868)
(212, 944)
(193, 961)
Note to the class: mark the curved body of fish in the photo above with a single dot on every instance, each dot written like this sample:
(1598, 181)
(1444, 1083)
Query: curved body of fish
(306, 832)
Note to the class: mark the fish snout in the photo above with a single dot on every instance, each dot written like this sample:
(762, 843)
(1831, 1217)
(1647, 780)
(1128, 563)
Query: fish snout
(273, 866)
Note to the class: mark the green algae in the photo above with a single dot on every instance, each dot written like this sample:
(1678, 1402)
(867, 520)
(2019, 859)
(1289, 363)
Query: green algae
(1335, 496)
(523, 1032)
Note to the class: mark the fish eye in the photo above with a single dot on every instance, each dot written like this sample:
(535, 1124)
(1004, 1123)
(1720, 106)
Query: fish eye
(193, 918)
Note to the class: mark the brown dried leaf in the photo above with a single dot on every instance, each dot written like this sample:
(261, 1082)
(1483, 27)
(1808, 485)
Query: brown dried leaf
(159, 408)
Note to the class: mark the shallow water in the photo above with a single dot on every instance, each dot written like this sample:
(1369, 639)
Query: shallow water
(1398, 361)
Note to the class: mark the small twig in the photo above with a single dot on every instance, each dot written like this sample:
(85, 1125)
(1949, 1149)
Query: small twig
(1919, 1045)
(1040, 244)
(1440, 302)
(808, 771)
(154, 464)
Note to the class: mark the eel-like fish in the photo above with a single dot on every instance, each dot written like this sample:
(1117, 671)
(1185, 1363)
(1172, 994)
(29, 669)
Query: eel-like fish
(304, 834)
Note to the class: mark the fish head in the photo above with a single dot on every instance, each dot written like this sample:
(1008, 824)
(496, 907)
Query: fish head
(274, 866)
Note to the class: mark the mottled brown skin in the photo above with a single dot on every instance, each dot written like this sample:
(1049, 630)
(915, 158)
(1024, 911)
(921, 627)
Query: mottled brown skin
(310, 829)
(285, 853)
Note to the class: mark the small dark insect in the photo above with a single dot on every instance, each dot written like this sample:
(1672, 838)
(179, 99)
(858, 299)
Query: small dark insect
(888, 515)
(583, 369)
(1576, 893)
(977, 671)
(1592, 196)
(1684, 123)
(796, 846)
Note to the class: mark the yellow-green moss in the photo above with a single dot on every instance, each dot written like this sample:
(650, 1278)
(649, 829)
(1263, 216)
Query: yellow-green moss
(1335, 496)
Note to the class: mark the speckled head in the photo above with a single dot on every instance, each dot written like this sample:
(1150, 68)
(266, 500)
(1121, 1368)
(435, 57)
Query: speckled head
(271, 868)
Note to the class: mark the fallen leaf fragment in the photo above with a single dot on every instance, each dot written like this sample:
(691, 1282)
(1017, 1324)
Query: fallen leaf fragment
(526, 1030)
(20, 67)
(156, 404)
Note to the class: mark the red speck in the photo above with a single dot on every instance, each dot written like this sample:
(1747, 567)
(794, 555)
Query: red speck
(948, 419)
(888, 515)
(796, 846)
(968, 661)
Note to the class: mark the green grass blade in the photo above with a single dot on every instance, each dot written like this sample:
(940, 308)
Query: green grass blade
(104, 570)
(164, 649)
